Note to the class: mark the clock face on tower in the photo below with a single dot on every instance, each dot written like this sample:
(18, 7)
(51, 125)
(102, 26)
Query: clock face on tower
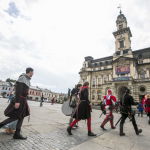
(120, 18)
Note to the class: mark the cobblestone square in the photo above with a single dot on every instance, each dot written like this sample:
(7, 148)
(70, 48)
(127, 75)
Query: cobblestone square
(47, 130)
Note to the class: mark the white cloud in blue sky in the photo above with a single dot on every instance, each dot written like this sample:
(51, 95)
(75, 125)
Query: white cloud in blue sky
(54, 36)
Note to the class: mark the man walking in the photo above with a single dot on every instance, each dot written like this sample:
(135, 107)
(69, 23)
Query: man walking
(74, 99)
(126, 111)
(110, 101)
(18, 108)
(41, 103)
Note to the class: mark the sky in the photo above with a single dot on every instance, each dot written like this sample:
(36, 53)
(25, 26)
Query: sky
(54, 36)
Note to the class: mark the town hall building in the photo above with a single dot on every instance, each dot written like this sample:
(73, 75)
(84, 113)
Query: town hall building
(125, 69)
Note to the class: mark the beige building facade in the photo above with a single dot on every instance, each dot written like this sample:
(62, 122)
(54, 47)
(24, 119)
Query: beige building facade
(124, 69)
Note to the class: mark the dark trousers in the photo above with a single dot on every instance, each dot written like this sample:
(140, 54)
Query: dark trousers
(124, 117)
(19, 124)
(140, 112)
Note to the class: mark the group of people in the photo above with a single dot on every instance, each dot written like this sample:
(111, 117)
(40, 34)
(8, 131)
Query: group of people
(79, 101)
(42, 100)
(83, 109)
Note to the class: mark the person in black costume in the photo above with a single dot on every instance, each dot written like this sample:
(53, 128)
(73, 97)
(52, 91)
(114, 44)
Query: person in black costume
(83, 111)
(126, 102)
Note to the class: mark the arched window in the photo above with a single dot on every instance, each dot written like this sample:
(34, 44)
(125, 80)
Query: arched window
(93, 95)
(99, 81)
(94, 81)
(99, 95)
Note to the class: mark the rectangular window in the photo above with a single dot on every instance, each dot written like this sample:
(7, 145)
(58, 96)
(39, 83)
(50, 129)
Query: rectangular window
(105, 79)
(33, 92)
(142, 76)
(94, 82)
(121, 44)
(3, 88)
(6, 88)
(9, 89)
(30, 92)
(120, 26)
(123, 75)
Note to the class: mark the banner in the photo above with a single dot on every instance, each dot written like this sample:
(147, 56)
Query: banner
(123, 70)
(121, 79)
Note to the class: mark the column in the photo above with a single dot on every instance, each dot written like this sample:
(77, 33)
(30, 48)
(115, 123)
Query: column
(109, 77)
(147, 71)
(102, 78)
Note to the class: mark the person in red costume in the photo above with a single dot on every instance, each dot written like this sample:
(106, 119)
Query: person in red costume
(52, 101)
(144, 100)
(83, 110)
(147, 103)
(110, 101)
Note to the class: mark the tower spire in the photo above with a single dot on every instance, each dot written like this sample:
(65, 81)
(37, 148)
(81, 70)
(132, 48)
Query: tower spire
(120, 8)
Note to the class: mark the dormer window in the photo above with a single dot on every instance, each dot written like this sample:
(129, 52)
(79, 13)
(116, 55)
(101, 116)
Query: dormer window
(121, 26)
(121, 44)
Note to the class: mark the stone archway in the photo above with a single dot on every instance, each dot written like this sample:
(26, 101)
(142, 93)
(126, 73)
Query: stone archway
(121, 91)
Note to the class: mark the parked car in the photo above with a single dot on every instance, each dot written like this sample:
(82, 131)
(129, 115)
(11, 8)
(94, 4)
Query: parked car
(61, 101)
(1, 96)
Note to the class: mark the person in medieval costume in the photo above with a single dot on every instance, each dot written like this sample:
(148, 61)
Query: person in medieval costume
(126, 102)
(147, 108)
(144, 100)
(74, 98)
(83, 110)
(110, 102)
(18, 108)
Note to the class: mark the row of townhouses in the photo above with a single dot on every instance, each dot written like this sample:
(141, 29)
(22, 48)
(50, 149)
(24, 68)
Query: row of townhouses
(35, 92)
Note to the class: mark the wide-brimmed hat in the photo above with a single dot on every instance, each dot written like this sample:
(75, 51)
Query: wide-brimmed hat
(147, 96)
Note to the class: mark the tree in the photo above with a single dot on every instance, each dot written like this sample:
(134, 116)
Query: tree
(10, 80)
(4, 93)
(65, 98)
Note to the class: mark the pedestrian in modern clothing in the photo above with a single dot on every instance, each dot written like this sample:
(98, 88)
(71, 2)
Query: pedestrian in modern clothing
(140, 108)
(147, 103)
(9, 97)
(41, 103)
(10, 127)
(52, 101)
(18, 108)
(83, 111)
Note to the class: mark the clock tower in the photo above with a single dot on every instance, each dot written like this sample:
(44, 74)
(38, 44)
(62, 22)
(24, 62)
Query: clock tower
(122, 36)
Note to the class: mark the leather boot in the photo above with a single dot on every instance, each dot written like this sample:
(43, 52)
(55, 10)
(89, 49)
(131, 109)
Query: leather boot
(113, 127)
(91, 133)
(103, 128)
(17, 135)
(1, 125)
(121, 130)
(11, 131)
(136, 130)
(7, 130)
(69, 130)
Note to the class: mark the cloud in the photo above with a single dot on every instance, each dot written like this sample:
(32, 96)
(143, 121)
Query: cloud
(53, 36)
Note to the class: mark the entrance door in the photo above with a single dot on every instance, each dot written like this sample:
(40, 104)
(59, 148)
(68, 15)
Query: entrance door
(121, 91)
(141, 97)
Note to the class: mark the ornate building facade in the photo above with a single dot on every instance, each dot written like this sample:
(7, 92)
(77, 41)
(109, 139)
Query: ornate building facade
(125, 69)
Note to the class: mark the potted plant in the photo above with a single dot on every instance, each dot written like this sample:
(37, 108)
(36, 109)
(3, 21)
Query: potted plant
(93, 85)
(99, 85)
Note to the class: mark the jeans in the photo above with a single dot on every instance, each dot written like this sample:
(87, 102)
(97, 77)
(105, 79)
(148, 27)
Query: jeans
(12, 124)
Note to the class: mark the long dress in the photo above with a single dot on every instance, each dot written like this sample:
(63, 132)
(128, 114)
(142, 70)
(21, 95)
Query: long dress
(23, 110)
(84, 111)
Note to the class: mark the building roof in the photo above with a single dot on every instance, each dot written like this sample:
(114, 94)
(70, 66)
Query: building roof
(35, 88)
(4, 83)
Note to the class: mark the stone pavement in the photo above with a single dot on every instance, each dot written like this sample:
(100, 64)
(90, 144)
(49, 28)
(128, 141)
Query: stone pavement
(47, 130)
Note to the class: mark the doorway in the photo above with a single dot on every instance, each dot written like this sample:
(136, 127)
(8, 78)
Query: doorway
(121, 91)
(141, 97)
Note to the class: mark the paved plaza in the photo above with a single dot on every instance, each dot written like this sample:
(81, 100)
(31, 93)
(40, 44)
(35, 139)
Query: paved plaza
(47, 130)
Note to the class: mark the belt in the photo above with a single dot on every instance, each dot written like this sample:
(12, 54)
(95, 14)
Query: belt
(83, 100)
(23, 97)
